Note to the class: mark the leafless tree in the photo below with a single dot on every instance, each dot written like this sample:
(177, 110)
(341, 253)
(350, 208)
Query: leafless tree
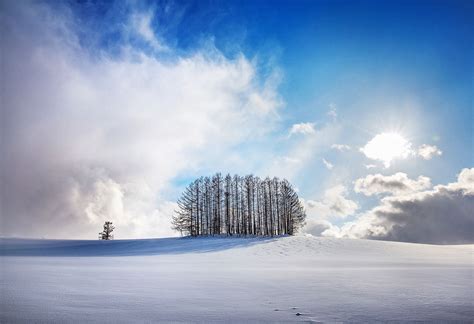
(239, 206)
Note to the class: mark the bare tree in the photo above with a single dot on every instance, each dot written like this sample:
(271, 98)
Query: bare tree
(238, 205)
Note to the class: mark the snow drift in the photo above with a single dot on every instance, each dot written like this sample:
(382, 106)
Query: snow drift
(286, 279)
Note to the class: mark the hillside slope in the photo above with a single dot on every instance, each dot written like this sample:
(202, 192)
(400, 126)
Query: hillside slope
(234, 279)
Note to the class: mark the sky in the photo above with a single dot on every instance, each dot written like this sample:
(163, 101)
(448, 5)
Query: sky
(109, 109)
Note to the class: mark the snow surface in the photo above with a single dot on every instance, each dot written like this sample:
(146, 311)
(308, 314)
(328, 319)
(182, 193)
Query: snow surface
(234, 280)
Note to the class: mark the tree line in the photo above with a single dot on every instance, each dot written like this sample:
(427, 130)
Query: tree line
(235, 205)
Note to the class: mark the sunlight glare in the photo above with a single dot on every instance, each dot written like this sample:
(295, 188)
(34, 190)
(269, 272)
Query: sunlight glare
(386, 147)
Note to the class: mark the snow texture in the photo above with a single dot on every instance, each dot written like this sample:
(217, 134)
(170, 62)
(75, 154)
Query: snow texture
(286, 279)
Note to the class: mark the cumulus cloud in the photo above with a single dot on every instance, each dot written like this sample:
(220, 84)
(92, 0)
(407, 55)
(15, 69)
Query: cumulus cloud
(398, 183)
(302, 128)
(87, 138)
(340, 147)
(427, 152)
(328, 164)
(319, 227)
(334, 204)
(443, 215)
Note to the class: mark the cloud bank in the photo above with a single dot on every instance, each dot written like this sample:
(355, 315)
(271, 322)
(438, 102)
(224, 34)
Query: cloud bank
(443, 215)
(89, 137)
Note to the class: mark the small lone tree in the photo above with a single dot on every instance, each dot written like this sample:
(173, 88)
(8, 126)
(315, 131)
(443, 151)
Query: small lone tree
(106, 234)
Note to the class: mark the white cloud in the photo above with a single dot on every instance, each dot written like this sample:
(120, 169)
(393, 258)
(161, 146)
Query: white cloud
(332, 112)
(141, 24)
(427, 152)
(99, 138)
(340, 147)
(319, 227)
(398, 183)
(443, 215)
(302, 128)
(291, 160)
(370, 166)
(334, 204)
(465, 182)
(303, 149)
(327, 164)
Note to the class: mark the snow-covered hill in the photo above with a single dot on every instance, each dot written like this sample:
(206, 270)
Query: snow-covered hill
(234, 280)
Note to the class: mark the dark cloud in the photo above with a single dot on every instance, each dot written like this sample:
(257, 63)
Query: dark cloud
(444, 215)
(398, 183)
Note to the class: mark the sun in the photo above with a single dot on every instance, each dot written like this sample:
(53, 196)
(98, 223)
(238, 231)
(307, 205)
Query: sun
(387, 147)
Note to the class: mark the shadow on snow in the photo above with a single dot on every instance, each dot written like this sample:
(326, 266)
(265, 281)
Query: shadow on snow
(137, 247)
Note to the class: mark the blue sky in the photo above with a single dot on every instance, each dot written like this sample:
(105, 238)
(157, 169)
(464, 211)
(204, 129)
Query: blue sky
(404, 65)
(294, 89)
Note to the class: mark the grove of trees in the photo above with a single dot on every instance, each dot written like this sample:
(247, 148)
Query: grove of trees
(235, 205)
